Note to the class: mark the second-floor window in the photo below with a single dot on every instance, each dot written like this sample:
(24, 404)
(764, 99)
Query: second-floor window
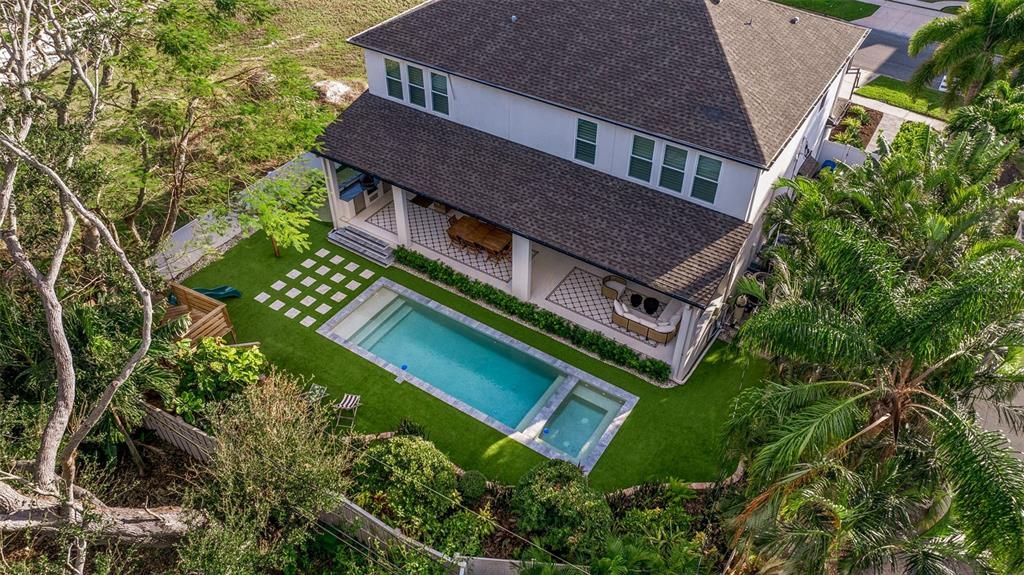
(393, 73)
(641, 158)
(438, 93)
(705, 181)
(417, 93)
(673, 169)
(586, 141)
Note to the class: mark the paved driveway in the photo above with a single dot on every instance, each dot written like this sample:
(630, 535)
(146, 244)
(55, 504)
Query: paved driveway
(884, 51)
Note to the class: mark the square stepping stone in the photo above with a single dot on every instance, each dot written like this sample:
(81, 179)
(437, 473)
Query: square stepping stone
(323, 308)
(292, 312)
(323, 288)
(352, 266)
(366, 274)
(293, 274)
(336, 278)
(307, 321)
(293, 292)
(308, 281)
(308, 264)
(322, 252)
(262, 297)
(278, 285)
(306, 301)
(338, 296)
(322, 270)
(337, 260)
(352, 285)
(278, 304)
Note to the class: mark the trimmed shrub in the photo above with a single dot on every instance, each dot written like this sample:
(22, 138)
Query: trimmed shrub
(472, 486)
(554, 503)
(544, 320)
(911, 136)
(409, 481)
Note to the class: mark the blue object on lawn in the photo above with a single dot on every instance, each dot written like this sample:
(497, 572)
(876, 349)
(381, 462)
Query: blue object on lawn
(221, 293)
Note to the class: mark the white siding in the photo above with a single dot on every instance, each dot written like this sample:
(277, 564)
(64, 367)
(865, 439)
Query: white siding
(808, 137)
(552, 129)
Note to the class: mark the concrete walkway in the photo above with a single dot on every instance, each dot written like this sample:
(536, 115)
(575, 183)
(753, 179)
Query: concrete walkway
(892, 119)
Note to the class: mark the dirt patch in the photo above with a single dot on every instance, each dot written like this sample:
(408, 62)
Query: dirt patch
(863, 123)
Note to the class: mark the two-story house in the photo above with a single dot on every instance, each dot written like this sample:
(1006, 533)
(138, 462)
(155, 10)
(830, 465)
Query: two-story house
(608, 160)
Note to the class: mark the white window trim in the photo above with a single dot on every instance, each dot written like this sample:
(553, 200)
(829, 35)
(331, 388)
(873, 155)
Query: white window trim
(718, 182)
(660, 155)
(658, 162)
(428, 79)
(402, 79)
(403, 72)
(655, 160)
(424, 75)
(575, 138)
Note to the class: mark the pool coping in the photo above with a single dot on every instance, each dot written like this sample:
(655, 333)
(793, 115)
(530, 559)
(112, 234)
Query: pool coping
(573, 376)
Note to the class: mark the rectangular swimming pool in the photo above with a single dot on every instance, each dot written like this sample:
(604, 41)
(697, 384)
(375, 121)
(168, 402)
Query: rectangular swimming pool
(534, 398)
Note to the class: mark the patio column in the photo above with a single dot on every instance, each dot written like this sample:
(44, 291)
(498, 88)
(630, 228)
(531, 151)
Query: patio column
(341, 212)
(401, 215)
(684, 341)
(522, 267)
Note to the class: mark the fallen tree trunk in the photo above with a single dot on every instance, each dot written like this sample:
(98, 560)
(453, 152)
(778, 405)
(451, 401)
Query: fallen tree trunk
(41, 513)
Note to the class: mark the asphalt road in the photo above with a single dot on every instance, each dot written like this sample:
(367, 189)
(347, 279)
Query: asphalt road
(885, 53)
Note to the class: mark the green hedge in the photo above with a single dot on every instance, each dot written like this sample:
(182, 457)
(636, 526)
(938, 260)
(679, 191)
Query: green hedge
(605, 348)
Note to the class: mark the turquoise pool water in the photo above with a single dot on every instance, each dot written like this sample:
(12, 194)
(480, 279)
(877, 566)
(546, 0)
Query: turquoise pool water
(573, 424)
(490, 376)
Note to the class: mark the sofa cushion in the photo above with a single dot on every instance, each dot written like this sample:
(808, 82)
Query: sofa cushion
(617, 286)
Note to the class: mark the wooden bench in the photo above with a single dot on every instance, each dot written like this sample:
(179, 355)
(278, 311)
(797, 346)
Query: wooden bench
(209, 317)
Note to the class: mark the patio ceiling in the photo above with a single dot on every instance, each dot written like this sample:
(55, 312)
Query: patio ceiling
(674, 246)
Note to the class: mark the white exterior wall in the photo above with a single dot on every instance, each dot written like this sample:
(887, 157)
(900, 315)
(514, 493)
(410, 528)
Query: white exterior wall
(552, 129)
(810, 136)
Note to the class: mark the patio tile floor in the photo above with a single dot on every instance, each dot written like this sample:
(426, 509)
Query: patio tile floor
(428, 229)
(580, 292)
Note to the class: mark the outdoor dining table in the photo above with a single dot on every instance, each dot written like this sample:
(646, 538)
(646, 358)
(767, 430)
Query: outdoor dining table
(475, 233)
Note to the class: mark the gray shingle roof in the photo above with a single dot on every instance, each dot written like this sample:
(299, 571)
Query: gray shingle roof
(735, 78)
(672, 245)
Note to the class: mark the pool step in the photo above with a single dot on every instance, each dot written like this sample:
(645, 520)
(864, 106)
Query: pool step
(362, 243)
(385, 320)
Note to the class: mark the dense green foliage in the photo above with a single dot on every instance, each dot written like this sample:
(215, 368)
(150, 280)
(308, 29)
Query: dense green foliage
(413, 485)
(895, 293)
(605, 348)
(408, 480)
(283, 207)
(1000, 107)
(212, 371)
(911, 135)
(279, 466)
(983, 42)
(554, 503)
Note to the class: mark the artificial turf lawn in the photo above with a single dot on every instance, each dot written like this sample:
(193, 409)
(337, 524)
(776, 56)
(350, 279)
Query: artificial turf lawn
(671, 432)
(842, 9)
(927, 101)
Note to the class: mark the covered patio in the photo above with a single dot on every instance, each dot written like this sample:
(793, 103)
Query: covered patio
(567, 286)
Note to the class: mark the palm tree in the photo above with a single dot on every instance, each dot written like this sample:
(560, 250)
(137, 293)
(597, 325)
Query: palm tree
(894, 295)
(971, 46)
(999, 107)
